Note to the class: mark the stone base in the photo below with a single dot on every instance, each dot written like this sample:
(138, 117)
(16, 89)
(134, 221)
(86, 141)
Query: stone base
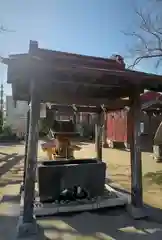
(158, 160)
(157, 150)
(112, 198)
(136, 213)
(25, 230)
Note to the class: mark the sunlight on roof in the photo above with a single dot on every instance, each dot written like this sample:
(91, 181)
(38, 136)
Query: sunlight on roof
(104, 236)
(131, 229)
(144, 231)
(153, 230)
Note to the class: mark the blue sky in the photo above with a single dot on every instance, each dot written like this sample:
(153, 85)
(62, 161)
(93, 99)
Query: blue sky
(91, 27)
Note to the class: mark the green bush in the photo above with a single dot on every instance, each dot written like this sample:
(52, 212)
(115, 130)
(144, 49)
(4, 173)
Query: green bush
(7, 135)
(43, 128)
(6, 131)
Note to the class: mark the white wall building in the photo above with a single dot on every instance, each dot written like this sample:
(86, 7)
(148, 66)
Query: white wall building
(16, 116)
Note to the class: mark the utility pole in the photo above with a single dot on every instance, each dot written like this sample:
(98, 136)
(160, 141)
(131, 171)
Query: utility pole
(1, 107)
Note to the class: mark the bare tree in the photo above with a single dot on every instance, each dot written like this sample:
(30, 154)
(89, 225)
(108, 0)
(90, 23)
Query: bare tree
(148, 35)
(3, 29)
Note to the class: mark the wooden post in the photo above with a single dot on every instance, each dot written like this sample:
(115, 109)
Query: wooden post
(136, 164)
(150, 130)
(74, 118)
(26, 149)
(31, 162)
(77, 123)
(98, 136)
(105, 145)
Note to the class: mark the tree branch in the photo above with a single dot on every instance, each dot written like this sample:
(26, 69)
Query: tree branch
(3, 29)
(149, 36)
(139, 59)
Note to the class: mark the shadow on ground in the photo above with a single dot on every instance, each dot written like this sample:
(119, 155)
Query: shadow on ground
(8, 229)
(154, 177)
(84, 141)
(104, 224)
(10, 161)
(11, 143)
(154, 214)
(148, 149)
(146, 145)
(113, 224)
(9, 220)
(107, 224)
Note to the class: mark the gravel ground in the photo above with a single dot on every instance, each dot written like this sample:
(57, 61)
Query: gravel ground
(108, 224)
(119, 170)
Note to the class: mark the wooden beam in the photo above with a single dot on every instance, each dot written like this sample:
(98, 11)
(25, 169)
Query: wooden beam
(75, 108)
(136, 164)
(31, 156)
(71, 108)
(98, 136)
(64, 111)
(26, 147)
(87, 83)
(149, 104)
(62, 89)
(90, 109)
(105, 145)
(67, 97)
(78, 100)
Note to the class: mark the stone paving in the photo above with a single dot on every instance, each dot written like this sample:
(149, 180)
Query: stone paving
(111, 224)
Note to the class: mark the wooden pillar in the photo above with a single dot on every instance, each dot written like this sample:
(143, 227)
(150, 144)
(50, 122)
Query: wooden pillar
(136, 164)
(26, 148)
(31, 161)
(98, 136)
(75, 117)
(151, 130)
(105, 145)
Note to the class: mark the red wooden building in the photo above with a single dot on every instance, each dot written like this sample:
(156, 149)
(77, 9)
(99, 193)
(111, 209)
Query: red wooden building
(118, 124)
